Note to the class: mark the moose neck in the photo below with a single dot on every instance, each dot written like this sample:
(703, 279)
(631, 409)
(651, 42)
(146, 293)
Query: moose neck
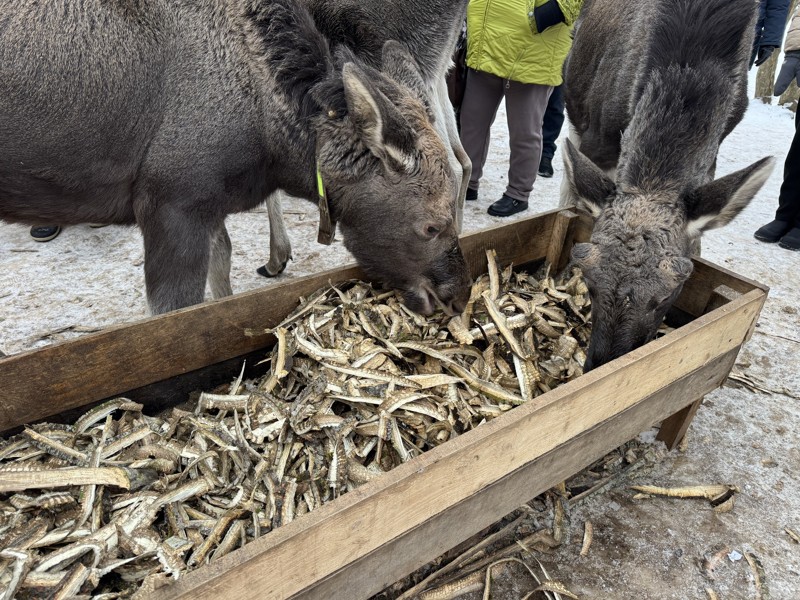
(424, 26)
(688, 90)
(674, 134)
(297, 65)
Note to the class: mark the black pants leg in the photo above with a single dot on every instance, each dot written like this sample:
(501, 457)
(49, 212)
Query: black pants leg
(552, 122)
(789, 199)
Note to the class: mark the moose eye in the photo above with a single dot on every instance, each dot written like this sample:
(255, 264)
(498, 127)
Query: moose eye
(432, 231)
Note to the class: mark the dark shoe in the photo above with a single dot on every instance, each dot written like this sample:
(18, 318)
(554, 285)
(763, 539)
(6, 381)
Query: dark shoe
(506, 206)
(45, 233)
(472, 194)
(772, 232)
(546, 167)
(791, 241)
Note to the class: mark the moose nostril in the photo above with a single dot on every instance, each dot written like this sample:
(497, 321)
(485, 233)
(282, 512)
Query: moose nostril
(457, 306)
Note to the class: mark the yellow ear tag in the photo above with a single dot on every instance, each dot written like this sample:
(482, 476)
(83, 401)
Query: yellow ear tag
(327, 226)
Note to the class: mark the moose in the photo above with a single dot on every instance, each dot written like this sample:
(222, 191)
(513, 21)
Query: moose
(430, 30)
(652, 89)
(172, 115)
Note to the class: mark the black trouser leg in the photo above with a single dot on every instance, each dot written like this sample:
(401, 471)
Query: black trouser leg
(552, 122)
(789, 199)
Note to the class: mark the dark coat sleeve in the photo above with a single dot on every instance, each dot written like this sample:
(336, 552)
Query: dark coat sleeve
(787, 74)
(774, 22)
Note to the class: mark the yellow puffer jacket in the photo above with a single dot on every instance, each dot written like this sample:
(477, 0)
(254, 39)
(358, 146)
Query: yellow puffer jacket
(502, 40)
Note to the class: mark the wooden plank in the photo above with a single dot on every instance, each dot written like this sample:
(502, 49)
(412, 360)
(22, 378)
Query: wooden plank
(558, 251)
(76, 373)
(674, 428)
(517, 243)
(443, 531)
(705, 277)
(175, 390)
(359, 523)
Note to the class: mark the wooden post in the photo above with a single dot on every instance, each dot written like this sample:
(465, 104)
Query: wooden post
(560, 244)
(790, 97)
(674, 428)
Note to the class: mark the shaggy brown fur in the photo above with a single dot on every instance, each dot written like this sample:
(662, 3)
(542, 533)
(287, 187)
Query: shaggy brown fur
(652, 89)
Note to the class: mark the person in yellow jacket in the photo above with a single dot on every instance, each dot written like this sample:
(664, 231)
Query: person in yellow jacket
(515, 50)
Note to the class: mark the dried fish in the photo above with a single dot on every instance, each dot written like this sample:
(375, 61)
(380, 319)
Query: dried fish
(24, 480)
(587, 538)
(469, 583)
(710, 492)
(357, 385)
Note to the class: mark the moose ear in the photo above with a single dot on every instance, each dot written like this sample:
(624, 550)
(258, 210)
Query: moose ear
(717, 203)
(678, 268)
(378, 122)
(588, 185)
(402, 68)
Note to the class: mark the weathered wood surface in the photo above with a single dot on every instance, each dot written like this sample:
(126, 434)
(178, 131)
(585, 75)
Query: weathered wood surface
(558, 251)
(318, 555)
(674, 428)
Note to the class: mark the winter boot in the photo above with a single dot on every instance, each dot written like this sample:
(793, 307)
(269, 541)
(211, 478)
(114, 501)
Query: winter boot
(507, 206)
(791, 241)
(546, 166)
(772, 232)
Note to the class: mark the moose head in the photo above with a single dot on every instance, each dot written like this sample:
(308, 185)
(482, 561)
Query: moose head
(388, 178)
(639, 255)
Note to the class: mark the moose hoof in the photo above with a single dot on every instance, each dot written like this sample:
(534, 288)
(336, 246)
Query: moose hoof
(264, 271)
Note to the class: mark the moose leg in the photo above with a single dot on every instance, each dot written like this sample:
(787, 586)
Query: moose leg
(447, 116)
(219, 269)
(280, 247)
(176, 255)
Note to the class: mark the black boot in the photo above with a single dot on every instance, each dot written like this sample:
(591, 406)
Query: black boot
(791, 241)
(772, 232)
(471, 194)
(507, 206)
(546, 166)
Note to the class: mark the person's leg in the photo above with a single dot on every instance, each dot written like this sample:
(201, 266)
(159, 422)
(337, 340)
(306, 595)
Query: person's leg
(788, 214)
(481, 99)
(552, 122)
(525, 106)
(789, 200)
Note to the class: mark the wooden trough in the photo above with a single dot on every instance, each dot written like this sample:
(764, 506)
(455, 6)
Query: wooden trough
(365, 540)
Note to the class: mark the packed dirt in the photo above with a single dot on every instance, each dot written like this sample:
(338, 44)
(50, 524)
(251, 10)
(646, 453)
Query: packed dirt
(654, 548)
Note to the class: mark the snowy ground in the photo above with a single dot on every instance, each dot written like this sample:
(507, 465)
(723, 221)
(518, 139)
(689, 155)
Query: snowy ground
(91, 278)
